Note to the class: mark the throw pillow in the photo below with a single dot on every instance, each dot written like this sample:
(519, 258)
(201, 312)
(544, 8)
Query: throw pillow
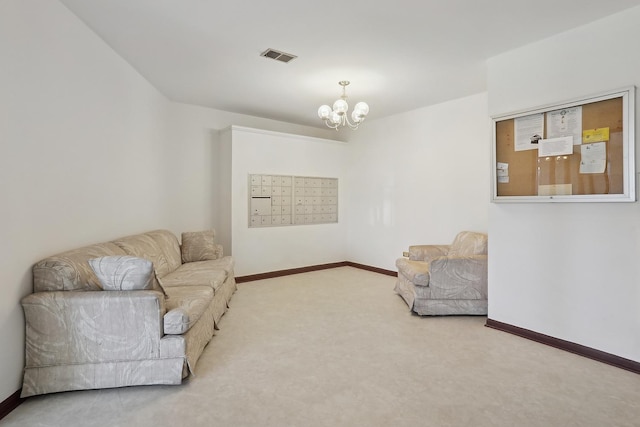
(124, 273)
(198, 246)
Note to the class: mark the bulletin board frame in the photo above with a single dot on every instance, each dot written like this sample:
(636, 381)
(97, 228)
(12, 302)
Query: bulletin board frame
(596, 164)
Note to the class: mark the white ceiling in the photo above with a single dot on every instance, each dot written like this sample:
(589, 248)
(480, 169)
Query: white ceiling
(399, 55)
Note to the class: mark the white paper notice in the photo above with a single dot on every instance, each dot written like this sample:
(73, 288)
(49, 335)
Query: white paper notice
(594, 157)
(555, 190)
(527, 131)
(565, 122)
(555, 146)
(502, 170)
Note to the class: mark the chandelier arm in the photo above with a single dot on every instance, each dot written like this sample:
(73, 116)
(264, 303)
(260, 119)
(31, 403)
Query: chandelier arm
(326, 122)
(344, 122)
(353, 126)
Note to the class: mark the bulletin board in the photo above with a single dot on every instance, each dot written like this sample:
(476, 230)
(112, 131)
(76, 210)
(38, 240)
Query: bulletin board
(580, 150)
(280, 200)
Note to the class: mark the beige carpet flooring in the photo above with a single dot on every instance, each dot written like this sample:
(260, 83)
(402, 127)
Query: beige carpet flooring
(339, 348)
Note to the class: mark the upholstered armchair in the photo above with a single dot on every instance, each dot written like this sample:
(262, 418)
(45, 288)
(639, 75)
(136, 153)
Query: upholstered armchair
(446, 279)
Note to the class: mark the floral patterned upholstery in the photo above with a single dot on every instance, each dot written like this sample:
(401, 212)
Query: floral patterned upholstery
(446, 279)
(79, 336)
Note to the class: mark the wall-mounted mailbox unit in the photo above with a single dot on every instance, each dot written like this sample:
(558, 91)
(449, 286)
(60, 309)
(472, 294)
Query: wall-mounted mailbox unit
(278, 200)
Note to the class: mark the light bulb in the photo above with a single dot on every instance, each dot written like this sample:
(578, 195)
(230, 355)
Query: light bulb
(335, 118)
(340, 106)
(362, 107)
(324, 111)
(356, 116)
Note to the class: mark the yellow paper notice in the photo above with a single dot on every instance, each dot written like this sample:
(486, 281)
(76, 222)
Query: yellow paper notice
(595, 135)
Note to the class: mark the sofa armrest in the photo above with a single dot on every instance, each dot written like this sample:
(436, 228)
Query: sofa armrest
(463, 277)
(69, 327)
(427, 252)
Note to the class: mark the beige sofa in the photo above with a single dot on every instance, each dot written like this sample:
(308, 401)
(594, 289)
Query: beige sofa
(439, 280)
(81, 336)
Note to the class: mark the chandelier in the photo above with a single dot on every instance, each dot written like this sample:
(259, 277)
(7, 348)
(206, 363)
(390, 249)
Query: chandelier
(336, 117)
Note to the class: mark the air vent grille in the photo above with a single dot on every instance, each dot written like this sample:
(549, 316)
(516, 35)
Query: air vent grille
(277, 55)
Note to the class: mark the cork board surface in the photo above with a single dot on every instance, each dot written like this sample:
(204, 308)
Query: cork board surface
(527, 171)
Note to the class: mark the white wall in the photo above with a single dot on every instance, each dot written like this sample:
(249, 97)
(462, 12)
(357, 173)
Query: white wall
(90, 151)
(260, 250)
(570, 271)
(194, 152)
(421, 177)
(82, 152)
(418, 178)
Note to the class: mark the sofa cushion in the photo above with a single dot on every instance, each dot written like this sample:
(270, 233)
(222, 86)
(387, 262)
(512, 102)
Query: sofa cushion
(168, 243)
(198, 246)
(468, 243)
(70, 271)
(226, 263)
(185, 305)
(160, 247)
(123, 272)
(198, 273)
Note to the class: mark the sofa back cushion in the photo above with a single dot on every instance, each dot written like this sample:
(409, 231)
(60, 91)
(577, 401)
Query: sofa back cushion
(170, 246)
(468, 243)
(70, 271)
(161, 247)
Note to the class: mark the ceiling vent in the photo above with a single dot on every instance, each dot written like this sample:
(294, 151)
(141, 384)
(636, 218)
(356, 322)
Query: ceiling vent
(277, 55)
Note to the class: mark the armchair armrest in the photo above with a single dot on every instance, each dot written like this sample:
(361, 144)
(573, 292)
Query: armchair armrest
(417, 272)
(463, 277)
(70, 327)
(427, 252)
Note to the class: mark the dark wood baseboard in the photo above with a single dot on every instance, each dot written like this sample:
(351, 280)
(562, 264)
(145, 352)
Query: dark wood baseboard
(374, 269)
(280, 273)
(10, 403)
(581, 350)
